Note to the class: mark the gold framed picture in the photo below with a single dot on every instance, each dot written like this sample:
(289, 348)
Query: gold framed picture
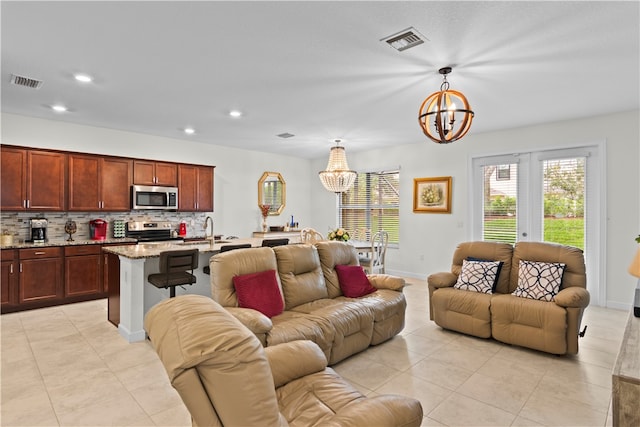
(432, 195)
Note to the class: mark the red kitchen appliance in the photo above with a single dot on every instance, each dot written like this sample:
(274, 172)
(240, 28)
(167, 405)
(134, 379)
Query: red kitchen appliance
(182, 231)
(98, 229)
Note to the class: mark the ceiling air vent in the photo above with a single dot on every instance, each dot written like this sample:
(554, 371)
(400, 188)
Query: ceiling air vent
(286, 135)
(405, 39)
(26, 81)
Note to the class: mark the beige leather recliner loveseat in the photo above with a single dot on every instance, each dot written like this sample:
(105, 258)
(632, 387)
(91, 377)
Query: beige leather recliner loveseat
(550, 326)
(314, 305)
(226, 378)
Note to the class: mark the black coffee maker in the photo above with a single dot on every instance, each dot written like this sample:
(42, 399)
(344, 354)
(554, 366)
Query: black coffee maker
(38, 228)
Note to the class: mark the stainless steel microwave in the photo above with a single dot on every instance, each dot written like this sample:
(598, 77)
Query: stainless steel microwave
(154, 197)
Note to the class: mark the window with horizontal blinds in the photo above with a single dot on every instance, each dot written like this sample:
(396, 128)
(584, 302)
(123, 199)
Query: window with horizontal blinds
(563, 196)
(371, 205)
(500, 202)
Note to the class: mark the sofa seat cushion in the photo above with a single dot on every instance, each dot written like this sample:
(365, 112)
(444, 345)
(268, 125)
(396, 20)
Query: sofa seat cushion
(352, 323)
(529, 323)
(388, 308)
(291, 326)
(315, 399)
(462, 311)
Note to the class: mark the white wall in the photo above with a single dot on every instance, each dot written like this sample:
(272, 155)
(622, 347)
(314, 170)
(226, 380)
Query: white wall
(435, 236)
(236, 174)
(432, 236)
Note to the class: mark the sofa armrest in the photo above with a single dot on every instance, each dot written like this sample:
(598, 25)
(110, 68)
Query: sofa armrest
(255, 321)
(293, 360)
(443, 279)
(384, 410)
(572, 297)
(385, 281)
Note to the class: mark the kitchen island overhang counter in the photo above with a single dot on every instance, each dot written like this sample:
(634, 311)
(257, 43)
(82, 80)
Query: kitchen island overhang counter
(137, 262)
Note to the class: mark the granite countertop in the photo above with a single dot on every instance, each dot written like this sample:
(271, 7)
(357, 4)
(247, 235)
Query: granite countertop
(151, 250)
(62, 242)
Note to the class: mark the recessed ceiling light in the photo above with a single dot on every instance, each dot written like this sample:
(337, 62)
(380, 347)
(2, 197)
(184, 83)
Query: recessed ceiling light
(235, 113)
(189, 131)
(84, 78)
(59, 108)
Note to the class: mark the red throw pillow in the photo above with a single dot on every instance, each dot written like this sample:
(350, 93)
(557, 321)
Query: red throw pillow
(353, 281)
(259, 291)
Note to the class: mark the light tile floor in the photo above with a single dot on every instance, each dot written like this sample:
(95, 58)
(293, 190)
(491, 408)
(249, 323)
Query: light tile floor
(68, 366)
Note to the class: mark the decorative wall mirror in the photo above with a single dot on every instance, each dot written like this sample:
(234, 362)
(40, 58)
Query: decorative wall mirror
(272, 191)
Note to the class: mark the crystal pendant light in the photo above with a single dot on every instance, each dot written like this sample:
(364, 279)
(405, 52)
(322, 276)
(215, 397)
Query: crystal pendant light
(337, 177)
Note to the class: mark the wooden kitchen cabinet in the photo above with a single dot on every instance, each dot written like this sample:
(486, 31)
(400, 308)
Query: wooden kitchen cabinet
(98, 183)
(82, 270)
(40, 276)
(32, 180)
(9, 279)
(195, 188)
(155, 173)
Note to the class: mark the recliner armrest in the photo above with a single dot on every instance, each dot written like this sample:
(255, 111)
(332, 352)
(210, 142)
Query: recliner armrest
(443, 279)
(573, 297)
(385, 281)
(293, 360)
(255, 321)
(384, 410)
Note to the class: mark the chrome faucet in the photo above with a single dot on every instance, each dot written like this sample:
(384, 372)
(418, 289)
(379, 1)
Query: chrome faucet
(206, 221)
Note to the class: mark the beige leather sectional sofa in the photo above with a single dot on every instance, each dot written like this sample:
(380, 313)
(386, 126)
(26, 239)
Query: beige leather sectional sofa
(226, 378)
(314, 306)
(550, 326)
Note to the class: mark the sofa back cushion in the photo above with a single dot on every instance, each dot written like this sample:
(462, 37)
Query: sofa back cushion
(226, 265)
(300, 274)
(489, 251)
(331, 254)
(573, 259)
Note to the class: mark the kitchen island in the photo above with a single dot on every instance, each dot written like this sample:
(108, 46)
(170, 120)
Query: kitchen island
(137, 296)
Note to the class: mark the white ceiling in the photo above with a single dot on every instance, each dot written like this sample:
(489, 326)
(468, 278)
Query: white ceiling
(317, 70)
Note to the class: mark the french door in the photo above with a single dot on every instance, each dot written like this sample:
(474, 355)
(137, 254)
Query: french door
(548, 196)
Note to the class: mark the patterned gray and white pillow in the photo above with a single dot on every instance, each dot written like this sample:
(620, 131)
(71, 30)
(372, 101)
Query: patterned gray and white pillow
(539, 280)
(478, 276)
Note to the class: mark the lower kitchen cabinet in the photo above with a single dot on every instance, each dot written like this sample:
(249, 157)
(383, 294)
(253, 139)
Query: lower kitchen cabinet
(82, 270)
(112, 283)
(40, 272)
(9, 278)
(55, 275)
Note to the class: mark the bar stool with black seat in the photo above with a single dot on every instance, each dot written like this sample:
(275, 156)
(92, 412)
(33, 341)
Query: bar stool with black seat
(207, 270)
(275, 242)
(174, 270)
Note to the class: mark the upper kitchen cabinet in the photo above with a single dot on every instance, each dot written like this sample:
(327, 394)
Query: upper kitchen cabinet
(155, 173)
(32, 180)
(98, 183)
(195, 188)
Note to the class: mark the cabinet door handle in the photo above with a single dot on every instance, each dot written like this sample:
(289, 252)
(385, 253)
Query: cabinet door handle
(38, 253)
(11, 269)
(24, 203)
(28, 203)
(20, 267)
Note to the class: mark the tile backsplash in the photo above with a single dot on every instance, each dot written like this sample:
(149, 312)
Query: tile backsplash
(17, 223)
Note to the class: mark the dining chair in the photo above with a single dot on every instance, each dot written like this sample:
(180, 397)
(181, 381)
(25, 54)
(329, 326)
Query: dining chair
(373, 262)
(309, 235)
(174, 270)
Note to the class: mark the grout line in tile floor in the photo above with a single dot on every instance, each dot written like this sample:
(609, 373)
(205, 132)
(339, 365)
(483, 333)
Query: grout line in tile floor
(68, 366)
